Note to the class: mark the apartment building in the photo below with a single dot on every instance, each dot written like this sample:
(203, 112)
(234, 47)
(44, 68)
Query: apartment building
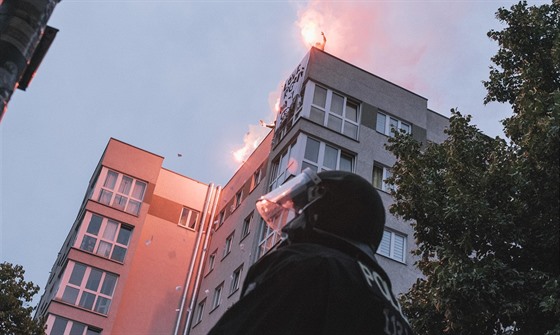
(190, 244)
(124, 264)
(333, 115)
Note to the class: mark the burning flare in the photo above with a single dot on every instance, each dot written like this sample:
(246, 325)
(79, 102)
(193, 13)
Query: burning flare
(310, 24)
(251, 141)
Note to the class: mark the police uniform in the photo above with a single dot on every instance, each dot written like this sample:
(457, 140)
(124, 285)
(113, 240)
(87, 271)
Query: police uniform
(311, 288)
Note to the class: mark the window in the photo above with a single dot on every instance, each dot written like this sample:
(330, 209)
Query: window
(189, 218)
(235, 279)
(320, 156)
(238, 199)
(380, 174)
(221, 217)
(216, 300)
(199, 311)
(385, 125)
(121, 191)
(212, 260)
(229, 242)
(104, 237)
(283, 167)
(268, 238)
(245, 229)
(392, 245)
(57, 325)
(335, 111)
(88, 287)
(256, 178)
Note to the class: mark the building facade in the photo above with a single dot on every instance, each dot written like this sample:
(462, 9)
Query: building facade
(124, 264)
(333, 116)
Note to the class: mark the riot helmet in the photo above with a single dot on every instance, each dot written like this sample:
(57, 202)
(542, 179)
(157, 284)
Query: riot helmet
(337, 202)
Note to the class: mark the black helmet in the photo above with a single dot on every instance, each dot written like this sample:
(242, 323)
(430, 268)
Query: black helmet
(350, 207)
(338, 202)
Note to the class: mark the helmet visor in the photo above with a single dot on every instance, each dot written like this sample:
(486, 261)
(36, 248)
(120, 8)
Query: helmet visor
(293, 196)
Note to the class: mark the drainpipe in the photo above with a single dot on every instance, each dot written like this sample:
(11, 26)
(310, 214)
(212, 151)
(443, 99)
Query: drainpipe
(209, 195)
(200, 265)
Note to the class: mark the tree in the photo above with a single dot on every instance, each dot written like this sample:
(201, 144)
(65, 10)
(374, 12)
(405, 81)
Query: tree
(15, 296)
(486, 210)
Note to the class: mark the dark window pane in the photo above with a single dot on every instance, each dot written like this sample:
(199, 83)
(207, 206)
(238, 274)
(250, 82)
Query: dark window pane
(59, 326)
(124, 236)
(109, 284)
(77, 328)
(70, 294)
(77, 274)
(94, 279)
(87, 300)
(312, 150)
(94, 224)
(88, 243)
(118, 254)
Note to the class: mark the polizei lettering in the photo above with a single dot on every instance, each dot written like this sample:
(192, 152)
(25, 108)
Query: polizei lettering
(395, 321)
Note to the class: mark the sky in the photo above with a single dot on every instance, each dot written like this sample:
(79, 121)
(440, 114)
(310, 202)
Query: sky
(190, 80)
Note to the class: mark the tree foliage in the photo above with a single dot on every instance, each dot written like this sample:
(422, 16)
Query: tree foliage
(486, 210)
(15, 296)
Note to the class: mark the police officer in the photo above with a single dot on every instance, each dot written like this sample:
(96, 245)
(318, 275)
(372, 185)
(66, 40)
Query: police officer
(323, 278)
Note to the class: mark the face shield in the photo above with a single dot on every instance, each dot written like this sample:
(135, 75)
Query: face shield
(293, 197)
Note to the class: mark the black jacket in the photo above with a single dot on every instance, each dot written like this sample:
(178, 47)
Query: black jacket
(309, 288)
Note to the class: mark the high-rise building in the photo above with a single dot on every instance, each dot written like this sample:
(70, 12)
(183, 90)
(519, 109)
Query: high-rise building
(124, 264)
(156, 252)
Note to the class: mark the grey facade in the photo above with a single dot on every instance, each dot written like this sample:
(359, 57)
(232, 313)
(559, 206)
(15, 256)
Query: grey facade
(333, 116)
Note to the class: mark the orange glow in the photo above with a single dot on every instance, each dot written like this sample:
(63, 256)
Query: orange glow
(311, 33)
(311, 28)
(251, 141)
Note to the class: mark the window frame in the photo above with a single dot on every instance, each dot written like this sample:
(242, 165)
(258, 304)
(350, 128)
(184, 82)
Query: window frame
(199, 315)
(256, 178)
(108, 194)
(83, 233)
(385, 173)
(387, 125)
(68, 328)
(82, 288)
(246, 226)
(319, 165)
(281, 168)
(268, 238)
(212, 260)
(228, 244)
(392, 246)
(235, 283)
(217, 296)
(188, 221)
(329, 114)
